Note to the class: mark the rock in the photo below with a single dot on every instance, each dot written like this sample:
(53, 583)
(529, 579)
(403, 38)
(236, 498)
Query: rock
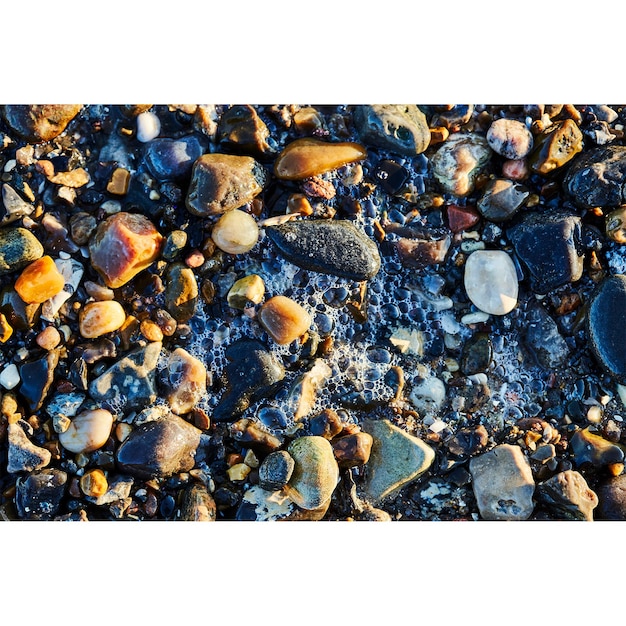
(39, 123)
(490, 281)
(159, 448)
(15, 207)
(122, 246)
(457, 163)
(252, 372)
(612, 499)
(130, 382)
(246, 290)
(588, 447)
(596, 178)
(173, 159)
(99, 318)
(184, 381)
(18, 248)
(544, 340)
(509, 138)
(119, 182)
(276, 470)
(252, 435)
(503, 484)
(223, 182)
(335, 247)
(93, 483)
(477, 354)
(174, 244)
(422, 249)
(236, 232)
(616, 225)
(453, 118)
(353, 450)
(197, 505)
(468, 441)
(315, 473)
(284, 319)
(260, 505)
(327, 424)
(38, 495)
(550, 246)
(568, 494)
(39, 281)
(181, 292)
(399, 128)
(308, 157)
(10, 376)
(88, 431)
(37, 377)
(396, 459)
(461, 218)
(502, 199)
(428, 396)
(118, 491)
(241, 130)
(555, 147)
(49, 338)
(148, 126)
(24, 455)
(606, 317)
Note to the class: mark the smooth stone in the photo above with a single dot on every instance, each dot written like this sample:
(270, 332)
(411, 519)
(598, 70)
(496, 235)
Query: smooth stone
(130, 382)
(148, 126)
(235, 232)
(428, 396)
(173, 159)
(93, 483)
(420, 249)
(612, 499)
(181, 292)
(399, 128)
(124, 245)
(335, 247)
(490, 281)
(503, 484)
(37, 377)
(246, 290)
(458, 162)
(616, 225)
(99, 318)
(502, 199)
(353, 450)
(587, 447)
(261, 505)
(39, 123)
(65, 403)
(276, 470)
(396, 460)
(10, 376)
(24, 455)
(509, 138)
(307, 157)
(197, 505)
(174, 244)
(88, 431)
(315, 473)
(15, 208)
(38, 495)
(39, 281)
(223, 182)
(327, 424)
(241, 130)
(184, 380)
(284, 319)
(606, 319)
(251, 434)
(544, 340)
(159, 448)
(596, 178)
(252, 372)
(453, 118)
(550, 246)
(18, 248)
(555, 147)
(569, 495)
(477, 354)
(461, 218)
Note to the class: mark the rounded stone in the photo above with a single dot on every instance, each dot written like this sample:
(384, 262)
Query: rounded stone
(616, 225)
(99, 318)
(173, 159)
(509, 138)
(185, 381)
(491, 282)
(276, 470)
(181, 292)
(18, 248)
(236, 232)
(284, 319)
(250, 288)
(502, 199)
(148, 126)
(569, 495)
(88, 431)
(555, 147)
(612, 499)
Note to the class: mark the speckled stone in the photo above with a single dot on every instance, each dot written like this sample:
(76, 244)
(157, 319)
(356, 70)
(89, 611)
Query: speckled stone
(184, 381)
(589, 447)
(509, 138)
(18, 248)
(38, 495)
(569, 495)
(555, 147)
(276, 470)
(612, 499)
(502, 199)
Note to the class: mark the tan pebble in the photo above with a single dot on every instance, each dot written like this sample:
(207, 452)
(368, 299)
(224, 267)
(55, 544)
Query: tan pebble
(238, 472)
(122, 430)
(98, 292)
(8, 406)
(200, 418)
(151, 331)
(166, 322)
(250, 288)
(186, 381)
(616, 469)
(515, 169)
(119, 183)
(438, 135)
(236, 232)
(307, 119)
(39, 281)
(251, 459)
(99, 318)
(88, 431)
(6, 330)
(74, 179)
(284, 319)
(49, 338)
(94, 483)
(208, 291)
(298, 203)
(616, 224)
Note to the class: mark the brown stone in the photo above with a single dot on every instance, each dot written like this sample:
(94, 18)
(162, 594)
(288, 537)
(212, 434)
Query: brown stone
(284, 319)
(557, 145)
(99, 318)
(40, 122)
(185, 381)
(461, 218)
(119, 183)
(353, 450)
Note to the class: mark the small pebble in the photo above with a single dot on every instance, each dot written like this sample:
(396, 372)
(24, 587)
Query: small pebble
(9, 377)
(148, 126)
(236, 232)
(119, 182)
(557, 145)
(88, 431)
(509, 138)
(99, 318)
(94, 483)
(39, 281)
(250, 288)
(490, 280)
(49, 338)
(284, 319)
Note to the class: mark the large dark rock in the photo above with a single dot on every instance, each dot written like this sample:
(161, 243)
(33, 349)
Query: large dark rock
(38, 495)
(40, 122)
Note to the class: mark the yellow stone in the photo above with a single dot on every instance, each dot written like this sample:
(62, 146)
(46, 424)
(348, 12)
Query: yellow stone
(101, 317)
(236, 232)
(94, 483)
(250, 288)
(151, 331)
(284, 319)
(238, 471)
(39, 281)
(308, 157)
(6, 330)
(119, 183)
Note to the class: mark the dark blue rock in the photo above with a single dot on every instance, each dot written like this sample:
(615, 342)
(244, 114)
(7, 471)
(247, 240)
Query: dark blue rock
(544, 340)
(172, 159)
(37, 377)
(38, 495)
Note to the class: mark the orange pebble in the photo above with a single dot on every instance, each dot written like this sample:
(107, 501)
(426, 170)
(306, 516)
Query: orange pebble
(39, 281)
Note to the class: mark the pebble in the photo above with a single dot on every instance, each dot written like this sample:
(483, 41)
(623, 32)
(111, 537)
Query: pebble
(252, 372)
(428, 396)
(124, 245)
(468, 441)
(477, 354)
(334, 247)
(18, 248)
(15, 207)
(235, 232)
(509, 138)
(461, 218)
(616, 225)
(490, 281)
(399, 128)
(458, 162)
(38, 495)
(88, 431)
(241, 130)
(612, 499)
(99, 318)
(555, 147)
(151, 330)
(503, 484)
(49, 338)
(544, 340)
(181, 292)
(569, 495)
(173, 159)
(174, 244)
(24, 455)
(246, 290)
(197, 505)
(308, 157)
(396, 459)
(223, 182)
(305, 388)
(251, 434)
(353, 450)
(130, 382)
(315, 474)
(184, 380)
(502, 199)
(284, 319)
(37, 377)
(10, 376)
(39, 123)
(276, 470)
(148, 126)
(326, 424)
(587, 447)
(550, 246)
(159, 448)
(420, 250)
(606, 317)
(94, 483)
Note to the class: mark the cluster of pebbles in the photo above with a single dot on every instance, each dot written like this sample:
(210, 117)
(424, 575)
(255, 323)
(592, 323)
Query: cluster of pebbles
(290, 312)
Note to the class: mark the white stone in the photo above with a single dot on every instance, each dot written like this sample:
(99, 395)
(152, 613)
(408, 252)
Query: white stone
(9, 377)
(148, 126)
(428, 396)
(491, 281)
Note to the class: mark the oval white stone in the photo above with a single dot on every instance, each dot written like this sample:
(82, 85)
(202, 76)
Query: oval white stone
(491, 281)
(148, 126)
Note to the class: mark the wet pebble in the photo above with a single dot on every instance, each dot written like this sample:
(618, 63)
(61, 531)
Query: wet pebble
(588, 447)
(555, 147)
(490, 281)
(37, 376)
(148, 126)
(38, 495)
(502, 199)
(477, 354)
(353, 450)
(88, 431)
(39, 281)
(249, 289)
(173, 159)
(468, 441)
(428, 395)
(181, 292)
(24, 455)
(616, 225)
(40, 122)
(326, 424)
(569, 495)
(461, 218)
(184, 380)
(509, 138)
(93, 483)
(236, 232)
(276, 470)
(18, 248)
(284, 319)
(99, 318)
(241, 130)
(612, 499)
